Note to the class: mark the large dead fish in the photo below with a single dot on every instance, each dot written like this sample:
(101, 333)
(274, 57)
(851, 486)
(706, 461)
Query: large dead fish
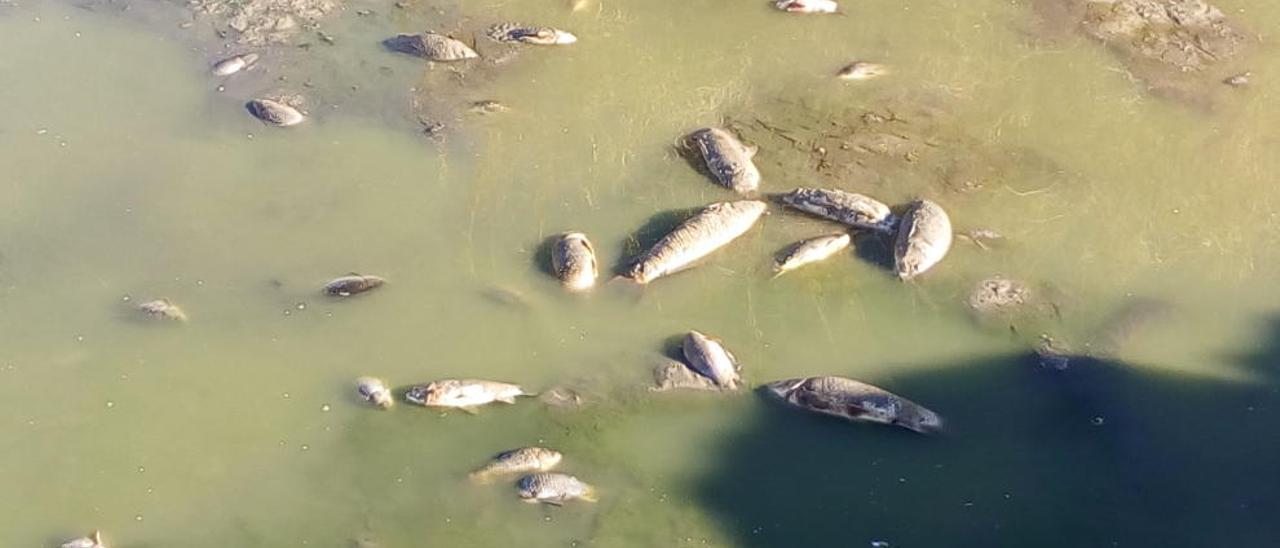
(517, 461)
(855, 401)
(842, 207)
(924, 237)
(430, 46)
(710, 358)
(810, 251)
(573, 260)
(726, 158)
(708, 230)
(466, 394)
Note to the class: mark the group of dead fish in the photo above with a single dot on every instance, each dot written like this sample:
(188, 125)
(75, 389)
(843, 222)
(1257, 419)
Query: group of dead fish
(921, 238)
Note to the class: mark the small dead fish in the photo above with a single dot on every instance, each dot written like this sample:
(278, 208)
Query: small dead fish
(807, 6)
(862, 70)
(275, 113)
(1238, 80)
(517, 461)
(352, 284)
(94, 540)
(726, 158)
(710, 358)
(846, 208)
(573, 260)
(553, 488)
(374, 391)
(234, 64)
(463, 393)
(698, 236)
(488, 107)
(855, 401)
(924, 237)
(810, 251)
(527, 34)
(430, 46)
(673, 375)
(163, 309)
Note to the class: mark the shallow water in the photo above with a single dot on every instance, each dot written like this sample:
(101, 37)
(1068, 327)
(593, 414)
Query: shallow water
(129, 176)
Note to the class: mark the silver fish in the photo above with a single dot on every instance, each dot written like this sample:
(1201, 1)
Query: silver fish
(573, 260)
(554, 488)
(430, 46)
(809, 251)
(529, 34)
(710, 358)
(855, 401)
(807, 6)
(234, 64)
(463, 393)
(352, 284)
(163, 309)
(728, 160)
(374, 391)
(924, 237)
(704, 233)
(862, 70)
(842, 207)
(275, 113)
(517, 461)
(94, 540)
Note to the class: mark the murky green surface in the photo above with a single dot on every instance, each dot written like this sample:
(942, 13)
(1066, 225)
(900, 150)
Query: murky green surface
(126, 174)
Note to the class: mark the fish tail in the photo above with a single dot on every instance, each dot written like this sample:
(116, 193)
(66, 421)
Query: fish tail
(481, 477)
(589, 494)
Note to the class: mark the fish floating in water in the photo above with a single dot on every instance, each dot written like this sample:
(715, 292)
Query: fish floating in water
(810, 251)
(846, 208)
(374, 391)
(924, 237)
(352, 284)
(163, 309)
(275, 113)
(94, 540)
(807, 6)
(517, 461)
(726, 158)
(527, 34)
(698, 236)
(855, 401)
(430, 46)
(862, 70)
(234, 64)
(466, 394)
(710, 358)
(573, 260)
(554, 488)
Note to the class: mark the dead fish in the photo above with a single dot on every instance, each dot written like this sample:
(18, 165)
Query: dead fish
(573, 260)
(374, 391)
(728, 160)
(553, 488)
(924, 237)
(352, 284)
(704, 233)
(842, 207)
(673, 375)
(234, 64)
(163, 309)
(488, 107)
(465, 394)
(527, 34)
(430, 46)
(275, 113)
(855, 401)
(807, 6)
(94, 540)
(862, 70)
(982, 237)
(809, 251)
(1238, 80)
(517, 461)
(710, 358)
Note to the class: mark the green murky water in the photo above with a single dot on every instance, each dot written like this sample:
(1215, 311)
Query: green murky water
(125, 173)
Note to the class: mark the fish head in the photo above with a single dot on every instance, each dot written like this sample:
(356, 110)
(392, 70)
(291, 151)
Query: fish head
(423, 394)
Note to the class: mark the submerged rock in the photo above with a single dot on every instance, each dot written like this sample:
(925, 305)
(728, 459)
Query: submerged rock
(430, 46)
(163, 309)
(673, 375)
(998, 295)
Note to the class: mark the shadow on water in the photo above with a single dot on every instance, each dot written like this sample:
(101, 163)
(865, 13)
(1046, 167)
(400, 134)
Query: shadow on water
(1098, 454)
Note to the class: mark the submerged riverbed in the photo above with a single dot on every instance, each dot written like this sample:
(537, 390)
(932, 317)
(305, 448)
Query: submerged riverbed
(128, 175)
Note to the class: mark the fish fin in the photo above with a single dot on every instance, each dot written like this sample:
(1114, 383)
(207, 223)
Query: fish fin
(471, 410)
(506, 399)
(777, 272)
(481, 477)
(589, 494)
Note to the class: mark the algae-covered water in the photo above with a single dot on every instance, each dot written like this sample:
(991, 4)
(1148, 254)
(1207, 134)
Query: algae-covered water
(127, 175)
